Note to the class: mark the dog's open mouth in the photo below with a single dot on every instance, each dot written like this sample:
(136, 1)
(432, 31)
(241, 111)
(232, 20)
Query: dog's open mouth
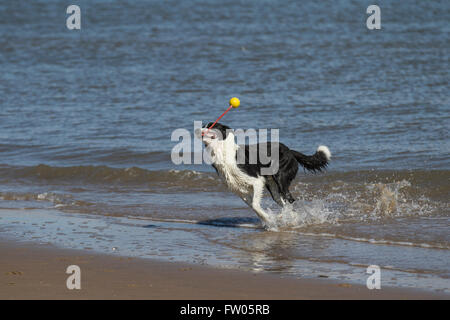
(209, 135)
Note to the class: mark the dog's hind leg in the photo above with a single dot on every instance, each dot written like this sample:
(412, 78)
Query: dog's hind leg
(284, 179)
(280, 195)
(274, 190)
(258, 189)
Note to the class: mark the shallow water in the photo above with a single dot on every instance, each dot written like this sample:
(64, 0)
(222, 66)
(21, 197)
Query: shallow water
(86, 119)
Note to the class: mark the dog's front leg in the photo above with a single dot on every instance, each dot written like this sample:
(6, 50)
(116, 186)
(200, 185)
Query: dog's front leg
(258, 189)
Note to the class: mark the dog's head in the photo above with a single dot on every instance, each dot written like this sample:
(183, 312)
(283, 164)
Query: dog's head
(214, 135)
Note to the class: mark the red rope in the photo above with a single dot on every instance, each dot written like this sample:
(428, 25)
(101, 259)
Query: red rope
(218, 119)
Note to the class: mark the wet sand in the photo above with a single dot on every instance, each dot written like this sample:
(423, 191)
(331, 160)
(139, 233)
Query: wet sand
(30, 271)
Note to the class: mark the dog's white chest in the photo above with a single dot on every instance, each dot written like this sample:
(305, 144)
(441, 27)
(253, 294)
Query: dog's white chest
(236, 180)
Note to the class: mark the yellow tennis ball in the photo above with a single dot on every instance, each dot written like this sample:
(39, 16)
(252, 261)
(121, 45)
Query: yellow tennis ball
(235, 102)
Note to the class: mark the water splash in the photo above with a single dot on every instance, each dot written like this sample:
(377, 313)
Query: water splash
(300, 214)
(343, 203)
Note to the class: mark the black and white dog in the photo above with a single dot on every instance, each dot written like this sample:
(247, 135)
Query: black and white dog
(244, 177)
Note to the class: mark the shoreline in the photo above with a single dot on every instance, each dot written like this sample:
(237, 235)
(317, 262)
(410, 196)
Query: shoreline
(37, 271)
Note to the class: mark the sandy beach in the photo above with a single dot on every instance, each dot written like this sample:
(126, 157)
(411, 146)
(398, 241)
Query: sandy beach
(29, 271)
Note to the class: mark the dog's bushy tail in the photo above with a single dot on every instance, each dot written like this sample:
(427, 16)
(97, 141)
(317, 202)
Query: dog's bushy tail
(317, 162)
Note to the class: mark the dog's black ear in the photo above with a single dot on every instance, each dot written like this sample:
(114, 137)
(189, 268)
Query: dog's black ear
(224, 130)
(225, 127)
(218, 126)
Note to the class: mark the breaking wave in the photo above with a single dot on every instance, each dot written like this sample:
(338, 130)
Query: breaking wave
(107, 175)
